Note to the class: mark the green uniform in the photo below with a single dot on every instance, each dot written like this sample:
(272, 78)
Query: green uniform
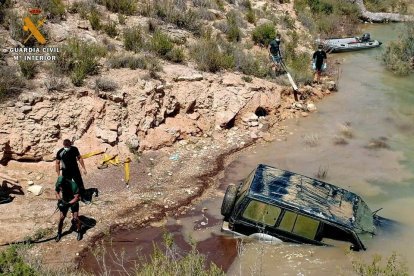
(69, 189)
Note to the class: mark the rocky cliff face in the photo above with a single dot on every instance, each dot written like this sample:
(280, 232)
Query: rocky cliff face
(141, 115)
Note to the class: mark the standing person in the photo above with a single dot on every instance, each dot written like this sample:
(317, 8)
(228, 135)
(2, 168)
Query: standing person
(67, 194)
(67, 160)
(319, 61)
(274, 51)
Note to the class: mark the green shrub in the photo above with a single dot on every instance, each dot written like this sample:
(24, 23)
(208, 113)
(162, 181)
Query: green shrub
(328, 17)
(392, 266)
(55, 9)
(14, 24)
(263, 34)
(105, 84)
(110, 29)
(383, 5)
(122, 19)
(307, 20)
(152, 25)
(174, 12)
(220, 4)
(251, 16)
(119, 61)
(161, 44)
(10, 82)
(247, 79)
(288, 22)
(321, 6)
(399, 55)
(246, 4)
(153, 65)
(133, 62)
(95, 19)
(233, 31)
(134, 39)
(176, 55)
(28, 68)
(76, 7)
(206, 14)
(255, 65)
(79, 59)
(221, 25)
(208, 56)
(3, 6)
(166, 259)
(11, 263)
(298, 63)
(122, 6)
(203, 3)
(187, 20)
(55, 83)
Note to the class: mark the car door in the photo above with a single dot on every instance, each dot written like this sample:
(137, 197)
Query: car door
(298, 227)
(257, 217)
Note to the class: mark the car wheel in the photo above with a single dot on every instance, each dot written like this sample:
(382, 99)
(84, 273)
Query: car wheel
(228, 201)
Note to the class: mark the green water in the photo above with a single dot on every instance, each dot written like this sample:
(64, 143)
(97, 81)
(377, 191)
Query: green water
(377, 104)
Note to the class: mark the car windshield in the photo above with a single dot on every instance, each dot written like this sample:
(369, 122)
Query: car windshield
(364, 220)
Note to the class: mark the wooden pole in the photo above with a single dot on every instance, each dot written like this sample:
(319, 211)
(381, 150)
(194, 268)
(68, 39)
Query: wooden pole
(8, 178)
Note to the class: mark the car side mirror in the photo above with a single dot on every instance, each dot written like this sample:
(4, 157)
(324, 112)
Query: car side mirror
(354, 248)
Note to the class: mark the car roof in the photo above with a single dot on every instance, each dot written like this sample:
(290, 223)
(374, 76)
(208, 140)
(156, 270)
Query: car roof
(305, 194)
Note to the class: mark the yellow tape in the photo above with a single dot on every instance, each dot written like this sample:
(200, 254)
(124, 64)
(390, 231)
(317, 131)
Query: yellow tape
(114, 161)
(93, 153)
(107, 158)
(127, 170)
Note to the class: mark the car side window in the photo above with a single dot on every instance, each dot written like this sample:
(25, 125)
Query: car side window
(288, 221)
(300, 225)
(261, 212)
(306, 227)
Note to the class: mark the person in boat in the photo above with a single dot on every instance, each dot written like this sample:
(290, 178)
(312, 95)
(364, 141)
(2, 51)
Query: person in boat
(275, 53)
(67, 194)
(319, 62)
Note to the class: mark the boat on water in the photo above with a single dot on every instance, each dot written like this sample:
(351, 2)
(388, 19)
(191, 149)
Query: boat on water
(337, 45)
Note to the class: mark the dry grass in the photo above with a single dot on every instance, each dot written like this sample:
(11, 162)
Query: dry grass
(134, 39)
(105, 84)
(392, 266)
(165, 261)
(378, 143)
(55, 83)
(10, 82)
(322, 172)
(311, 140)
(339, 140)
(28, 69)
(346, 130)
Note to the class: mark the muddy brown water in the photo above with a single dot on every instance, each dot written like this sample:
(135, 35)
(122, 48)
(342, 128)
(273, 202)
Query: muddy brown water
(378, 106)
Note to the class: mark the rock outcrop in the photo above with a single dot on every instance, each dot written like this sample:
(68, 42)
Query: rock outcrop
(147, 115)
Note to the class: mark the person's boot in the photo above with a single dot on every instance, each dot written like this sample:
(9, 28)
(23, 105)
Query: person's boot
(58, 237)
(79, 236)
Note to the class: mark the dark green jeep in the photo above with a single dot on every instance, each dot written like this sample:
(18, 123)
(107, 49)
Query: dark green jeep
(280, 205)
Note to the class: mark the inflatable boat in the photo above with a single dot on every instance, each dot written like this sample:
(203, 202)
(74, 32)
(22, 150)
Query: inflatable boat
(337, 45)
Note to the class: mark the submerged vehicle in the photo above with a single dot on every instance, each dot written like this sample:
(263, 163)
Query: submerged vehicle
(275, 204)
(337, 45)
